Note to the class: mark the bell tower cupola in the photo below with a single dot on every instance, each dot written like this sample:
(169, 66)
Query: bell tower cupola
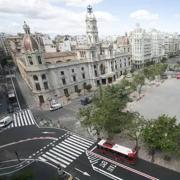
(91, 27)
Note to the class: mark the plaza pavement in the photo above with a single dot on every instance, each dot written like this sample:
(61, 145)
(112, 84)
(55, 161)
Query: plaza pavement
(157, 100)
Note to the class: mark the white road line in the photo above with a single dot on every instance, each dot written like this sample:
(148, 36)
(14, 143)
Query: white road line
(21, 119)
(18, 119)
(24, 118)
(76, 145)
(29, 117)
(61, 148)
(89, 144)
(32, 119)
(60, 155)
(57, 158)
(28, 120)
(72, 146)
(53, 160)
(62, 152)
(15, 122)
(42, 159)
(82, 144)
(83, 139)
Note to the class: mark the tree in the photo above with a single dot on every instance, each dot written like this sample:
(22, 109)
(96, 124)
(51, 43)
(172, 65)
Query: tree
(135, 128)
(161, 134)
(138, 82)
(106, 111)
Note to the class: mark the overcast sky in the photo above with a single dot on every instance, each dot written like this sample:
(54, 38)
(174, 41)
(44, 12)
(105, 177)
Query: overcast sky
(68, 16)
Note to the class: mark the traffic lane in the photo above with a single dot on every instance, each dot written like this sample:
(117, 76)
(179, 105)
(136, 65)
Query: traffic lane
(39, 171)
(148, 168)
(19, 133)
(23, 149)
(82, 164)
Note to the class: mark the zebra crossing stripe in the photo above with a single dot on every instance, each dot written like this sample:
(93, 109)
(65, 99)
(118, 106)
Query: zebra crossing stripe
(66, 150)
(62, 152)
(15, 122)
(82, 144)
(24, 118)
(75, 144)
(25, 114)
(20, 115)
(81, 141)
(31, 116)
(60, 155)
(72, 146)
(18, 119)
(42, 159)
(57, 158)
(53, 160)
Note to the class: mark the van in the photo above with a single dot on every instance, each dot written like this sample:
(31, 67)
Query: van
(55, 106)
(6, 121)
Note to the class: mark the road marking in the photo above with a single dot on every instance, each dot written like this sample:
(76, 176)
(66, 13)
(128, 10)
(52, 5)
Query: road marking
(58, 154)
(72, 146)
(123, 166)
(64, 149)
(106, 173)
(56, 162)
(82, 172)
(75, 144)
(82, 144)
(62, 152)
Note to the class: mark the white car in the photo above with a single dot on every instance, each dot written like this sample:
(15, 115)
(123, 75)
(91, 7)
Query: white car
(6, 121)
(55, 106)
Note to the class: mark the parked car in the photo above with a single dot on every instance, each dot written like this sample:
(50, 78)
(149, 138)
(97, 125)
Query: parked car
(86, 100)
(55, 106)
(5, 121)
(164, 76)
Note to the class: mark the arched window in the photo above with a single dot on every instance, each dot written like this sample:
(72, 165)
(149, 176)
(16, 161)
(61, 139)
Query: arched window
(102, 69)
(39, 60)
(58, 61)
(43, 77)
(30, 60)
(35, 78)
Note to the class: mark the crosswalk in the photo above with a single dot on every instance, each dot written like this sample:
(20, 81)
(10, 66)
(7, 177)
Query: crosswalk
(66, 151)
(22, 118)
(92, 158)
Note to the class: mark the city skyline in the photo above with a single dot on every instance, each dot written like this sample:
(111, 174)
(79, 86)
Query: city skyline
(68, 16)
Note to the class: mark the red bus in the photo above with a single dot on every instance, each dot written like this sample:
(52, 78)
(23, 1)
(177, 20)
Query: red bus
(117, 152)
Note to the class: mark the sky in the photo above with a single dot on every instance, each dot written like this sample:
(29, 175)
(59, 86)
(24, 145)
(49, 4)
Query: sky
(114, 17)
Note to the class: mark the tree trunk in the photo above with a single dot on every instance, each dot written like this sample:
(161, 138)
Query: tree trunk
(152, 155)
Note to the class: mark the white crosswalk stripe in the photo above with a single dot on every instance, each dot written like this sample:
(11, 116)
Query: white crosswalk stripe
(22, 118)
(66, 151)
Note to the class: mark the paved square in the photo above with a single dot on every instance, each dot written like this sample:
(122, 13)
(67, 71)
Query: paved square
(164, 99)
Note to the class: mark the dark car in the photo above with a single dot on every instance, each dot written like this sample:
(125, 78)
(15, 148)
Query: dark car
(85, 101)
(164, 76)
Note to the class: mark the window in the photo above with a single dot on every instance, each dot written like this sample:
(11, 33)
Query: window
(39, 60)
(46, 85)
(83, 75)
(94, 66)
(35, 78)
(62, 72)
(66, 93)
(74, 78)
(76, 88)
(63, 81)
(43, 77)
(82, 68)
(38, 88)
(30, 60)
(95, 72)
(41, 99)
(72, 70)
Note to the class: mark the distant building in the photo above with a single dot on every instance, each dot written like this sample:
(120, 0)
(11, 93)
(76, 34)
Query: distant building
(4, 44)
(55, 75)
(141, 43)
